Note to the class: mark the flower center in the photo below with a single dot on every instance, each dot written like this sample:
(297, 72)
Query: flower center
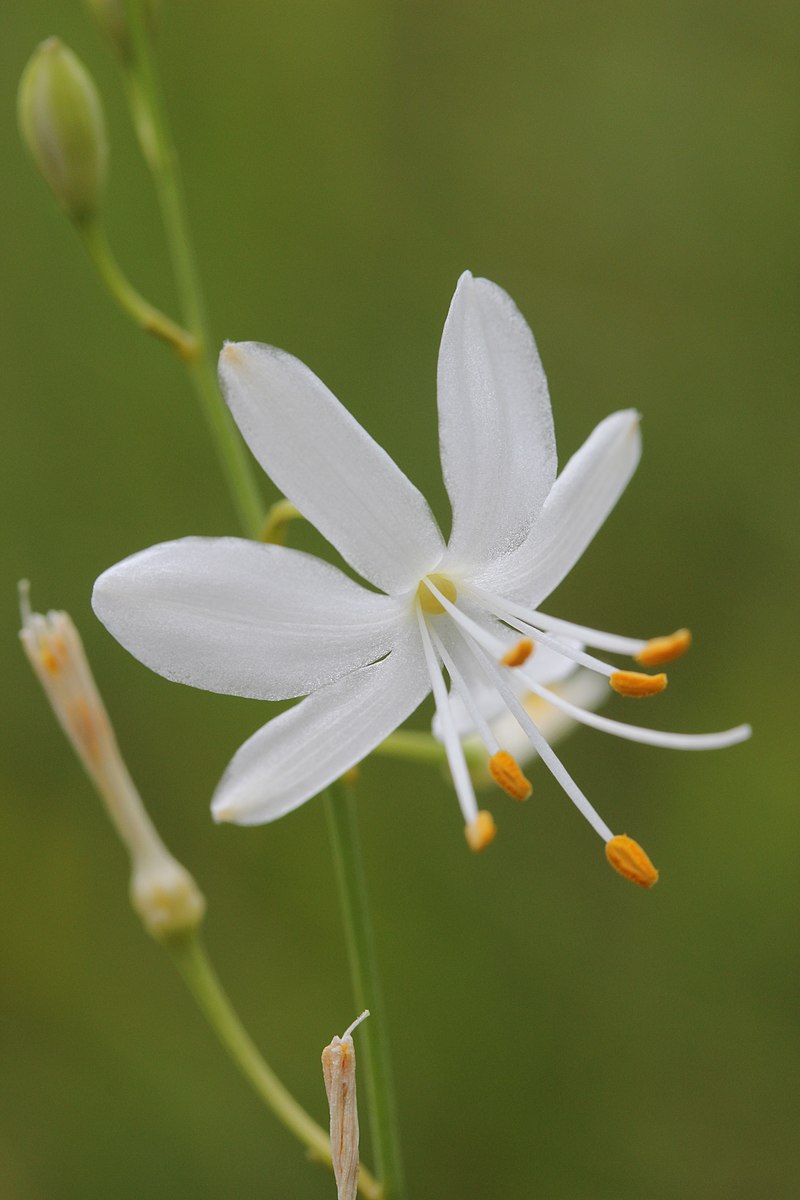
(428, 602)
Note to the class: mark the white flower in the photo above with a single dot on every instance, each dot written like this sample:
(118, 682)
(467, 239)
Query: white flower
(270, 622)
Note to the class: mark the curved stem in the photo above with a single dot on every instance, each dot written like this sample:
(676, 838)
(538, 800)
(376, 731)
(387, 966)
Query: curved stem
(342, 822)
(153, 130)
(149, 318)
(193, 963)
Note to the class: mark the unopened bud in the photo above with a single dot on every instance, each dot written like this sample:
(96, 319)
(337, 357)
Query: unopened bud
(61, 122)
(112, 18)
(339, 1073)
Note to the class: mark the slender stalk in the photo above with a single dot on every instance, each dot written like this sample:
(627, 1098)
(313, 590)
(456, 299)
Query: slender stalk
(149, 318)
(159, 151)
(193, 963)
(153, 130)
(414, 745)
(345, 841)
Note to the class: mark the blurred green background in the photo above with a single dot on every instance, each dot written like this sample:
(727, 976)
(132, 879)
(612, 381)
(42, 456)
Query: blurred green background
(627, 172)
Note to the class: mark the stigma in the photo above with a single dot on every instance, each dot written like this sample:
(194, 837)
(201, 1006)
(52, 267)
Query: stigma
(629, 859)
(506, 772)
(431, 604)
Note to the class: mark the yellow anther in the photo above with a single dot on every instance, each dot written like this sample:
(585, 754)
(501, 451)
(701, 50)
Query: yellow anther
(481, 831)
(518, 654)
(429, 602)
(634, 683)
(629, 859)
(663, 649)
(505, 771)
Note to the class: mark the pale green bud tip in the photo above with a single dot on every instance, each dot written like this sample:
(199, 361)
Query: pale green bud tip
(112, 19)
(166, 898)
(61, 122)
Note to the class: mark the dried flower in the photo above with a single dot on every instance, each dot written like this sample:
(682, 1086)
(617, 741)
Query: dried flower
(339, 1073)
(163, 892)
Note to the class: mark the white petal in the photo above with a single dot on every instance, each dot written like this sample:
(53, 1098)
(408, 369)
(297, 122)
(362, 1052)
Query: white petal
(579, 502)
(495, 424)
(234, 616)
(321, 458)
(300, 752)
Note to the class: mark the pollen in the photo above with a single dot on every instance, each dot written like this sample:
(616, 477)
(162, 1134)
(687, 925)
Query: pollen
(664, 649)
(430, 603)
(481, 831)
(518, 654)
(634, 683)
(629, 859)
(505, 771)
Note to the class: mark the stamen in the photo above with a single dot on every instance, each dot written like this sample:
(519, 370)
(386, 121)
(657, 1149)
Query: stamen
(505, 771)
(518, 654)
(635, 733)
(480, 831)
(452, 743)
(634, 683)
(628, 858)
(613, 643)
(428, 600)
(459, 683)
(540, 743)
(519, 618)
(664, 649)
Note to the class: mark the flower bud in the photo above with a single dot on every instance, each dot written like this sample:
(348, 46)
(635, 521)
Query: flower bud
(112, 19)
(61, 122)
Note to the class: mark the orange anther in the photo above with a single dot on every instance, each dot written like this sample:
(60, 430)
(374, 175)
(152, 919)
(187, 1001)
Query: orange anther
(634, 683)
(481, 831)
(518, 654)
(629, 859)
(663, 649)
(506, 772)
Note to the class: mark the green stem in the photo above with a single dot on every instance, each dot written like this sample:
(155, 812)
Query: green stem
(414, 745)
(149, 318)
(276, 525)
(192, 961)
(342, 822)
(151, 124)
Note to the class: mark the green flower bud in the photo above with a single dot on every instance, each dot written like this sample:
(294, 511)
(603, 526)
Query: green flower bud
(112, 18)
(61, 122)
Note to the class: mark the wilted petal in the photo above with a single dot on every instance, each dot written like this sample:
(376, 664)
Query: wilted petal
(495, 424)
(326, 464)
(234, 616)
(579, 502)
(300, 752)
